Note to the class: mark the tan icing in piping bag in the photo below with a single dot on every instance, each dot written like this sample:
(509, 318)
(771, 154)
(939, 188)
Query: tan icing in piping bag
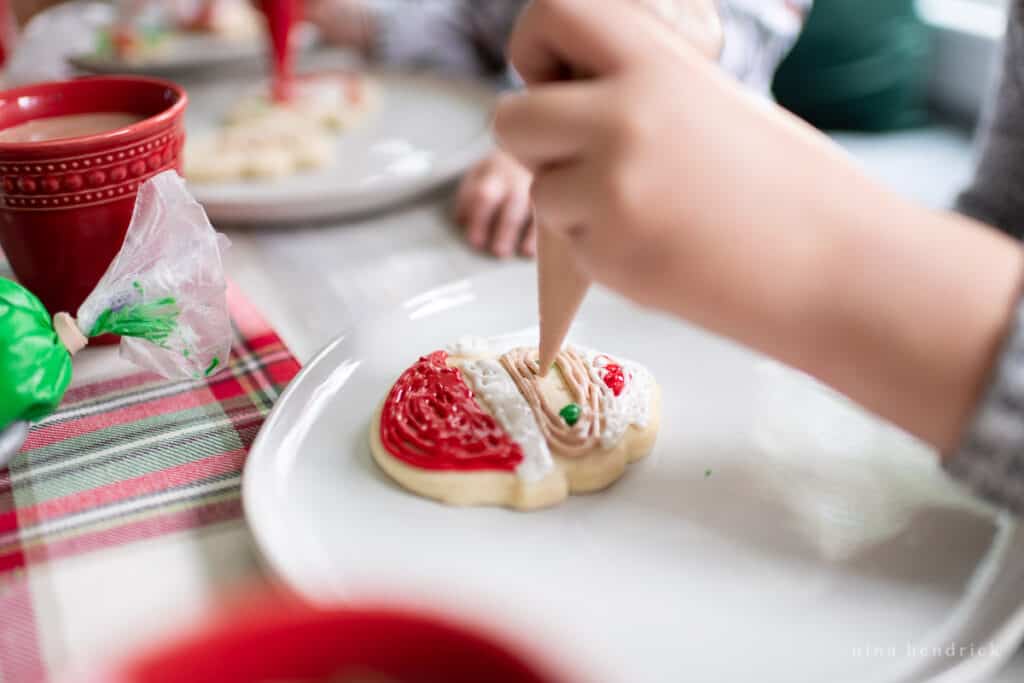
(560, 286)
(560, 291)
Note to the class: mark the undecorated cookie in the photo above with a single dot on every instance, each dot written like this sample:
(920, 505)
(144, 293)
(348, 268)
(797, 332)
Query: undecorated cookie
(260, 140)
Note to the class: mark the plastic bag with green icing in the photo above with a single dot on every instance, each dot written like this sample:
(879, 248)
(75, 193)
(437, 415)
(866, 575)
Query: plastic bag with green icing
(164, 294)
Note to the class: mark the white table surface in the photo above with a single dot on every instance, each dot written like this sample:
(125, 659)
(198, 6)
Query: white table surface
(311, 283)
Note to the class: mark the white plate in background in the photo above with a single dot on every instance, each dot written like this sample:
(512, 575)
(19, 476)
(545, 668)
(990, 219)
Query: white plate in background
(188, 53)
(421, 132)
(775, 533)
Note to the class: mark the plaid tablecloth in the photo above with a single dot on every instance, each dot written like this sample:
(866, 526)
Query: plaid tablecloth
(128, 456)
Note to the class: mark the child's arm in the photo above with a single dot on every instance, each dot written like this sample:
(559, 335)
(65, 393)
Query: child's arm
(995, 195)
(732, 213)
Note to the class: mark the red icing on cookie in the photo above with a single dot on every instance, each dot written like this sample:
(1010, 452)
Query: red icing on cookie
(431, 421)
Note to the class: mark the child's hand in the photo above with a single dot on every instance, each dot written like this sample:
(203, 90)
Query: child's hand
(493, 204)
(656, 162)
(697, 20)
(683, 192)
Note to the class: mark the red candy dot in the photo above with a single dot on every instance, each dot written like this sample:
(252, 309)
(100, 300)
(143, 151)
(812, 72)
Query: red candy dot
(614, 378)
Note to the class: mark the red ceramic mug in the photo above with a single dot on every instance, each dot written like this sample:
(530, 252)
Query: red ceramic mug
(65, 204)
(289, 642)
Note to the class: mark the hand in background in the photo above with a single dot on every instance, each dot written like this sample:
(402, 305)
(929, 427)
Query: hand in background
(493, 204)
(347, 23)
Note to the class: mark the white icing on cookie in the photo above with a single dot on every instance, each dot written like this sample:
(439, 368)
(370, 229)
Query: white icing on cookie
(493, 346)
(497, 390)
(631, 407)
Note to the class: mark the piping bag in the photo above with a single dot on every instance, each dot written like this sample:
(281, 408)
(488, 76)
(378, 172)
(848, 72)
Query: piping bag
(281, 17)
(164, 294)
(560, 291)
(561, 287)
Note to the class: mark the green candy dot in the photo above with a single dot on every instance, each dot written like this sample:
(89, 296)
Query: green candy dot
(570, 413)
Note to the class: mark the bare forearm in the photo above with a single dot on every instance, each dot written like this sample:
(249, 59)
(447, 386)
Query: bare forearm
(921, 306)
(904, 309)
(901, 308)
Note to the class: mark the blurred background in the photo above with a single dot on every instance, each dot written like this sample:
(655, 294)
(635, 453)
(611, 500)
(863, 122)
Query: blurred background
(871, 64)
(917, 70)
(902, 82)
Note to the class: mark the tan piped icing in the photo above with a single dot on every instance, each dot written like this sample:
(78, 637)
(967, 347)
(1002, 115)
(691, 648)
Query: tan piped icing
(565, 440)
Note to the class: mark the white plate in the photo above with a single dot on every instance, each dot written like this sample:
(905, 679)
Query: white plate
(188, 53)
(775, 534)
(422, 132)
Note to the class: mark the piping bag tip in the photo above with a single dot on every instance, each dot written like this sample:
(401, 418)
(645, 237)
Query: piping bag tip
(560, 289)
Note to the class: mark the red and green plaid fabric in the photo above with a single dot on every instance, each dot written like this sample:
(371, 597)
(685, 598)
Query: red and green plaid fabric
(130, 457)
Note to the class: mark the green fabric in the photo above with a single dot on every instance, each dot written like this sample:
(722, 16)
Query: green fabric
(858, 65)
(35, 367)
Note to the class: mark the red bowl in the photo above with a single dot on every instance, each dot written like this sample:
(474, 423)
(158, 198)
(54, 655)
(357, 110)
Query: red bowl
(65, 204)
(296, 643)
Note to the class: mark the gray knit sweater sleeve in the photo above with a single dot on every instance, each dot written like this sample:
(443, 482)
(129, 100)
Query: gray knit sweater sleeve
(990, 459)
(996, 194)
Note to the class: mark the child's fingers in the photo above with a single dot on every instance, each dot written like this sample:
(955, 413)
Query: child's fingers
(483, 201)
(463, 196)
(558, 197)
(547, 123)
(556, 38)
(510, 224)
(529, 243)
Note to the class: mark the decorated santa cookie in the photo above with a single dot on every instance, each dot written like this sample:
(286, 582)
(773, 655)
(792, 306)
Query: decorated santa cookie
(477, 425)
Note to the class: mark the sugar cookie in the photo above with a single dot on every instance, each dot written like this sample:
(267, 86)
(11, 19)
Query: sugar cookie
(478, 426)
